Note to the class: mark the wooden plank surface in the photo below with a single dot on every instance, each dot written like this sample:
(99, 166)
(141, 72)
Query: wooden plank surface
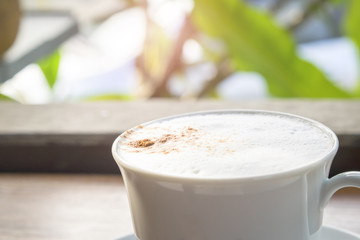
(59, 207)
(77, 137)
(92, 207)
(343, 116)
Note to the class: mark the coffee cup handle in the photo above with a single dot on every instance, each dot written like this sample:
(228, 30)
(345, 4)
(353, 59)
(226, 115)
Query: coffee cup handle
(331, 185)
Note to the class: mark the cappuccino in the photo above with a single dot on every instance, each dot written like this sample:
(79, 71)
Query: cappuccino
(224, 145)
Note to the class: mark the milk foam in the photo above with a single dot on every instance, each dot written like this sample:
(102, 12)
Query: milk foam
(224, 145)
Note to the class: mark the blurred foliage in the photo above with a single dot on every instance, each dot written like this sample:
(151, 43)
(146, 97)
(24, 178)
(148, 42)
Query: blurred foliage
(156, 49)
(50, 67)
(234, 36)
(6, 98)
(150, 63)
(250, 39)
(254, 40)
(352, 30)
(109, 97)
(352, 22)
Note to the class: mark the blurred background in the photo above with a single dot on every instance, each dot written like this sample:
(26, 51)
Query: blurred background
(87, 50)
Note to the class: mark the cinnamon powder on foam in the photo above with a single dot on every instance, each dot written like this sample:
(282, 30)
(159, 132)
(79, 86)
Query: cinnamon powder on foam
(147, 143)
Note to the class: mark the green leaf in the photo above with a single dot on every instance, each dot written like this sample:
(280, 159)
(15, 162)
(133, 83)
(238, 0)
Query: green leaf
(50, 67)
(254, 40)
(357, 89)
(352, 29)
(352, 22)
(6, 98)
(109, 97)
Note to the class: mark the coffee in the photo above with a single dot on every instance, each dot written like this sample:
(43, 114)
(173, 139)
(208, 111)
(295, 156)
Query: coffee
(224, 145)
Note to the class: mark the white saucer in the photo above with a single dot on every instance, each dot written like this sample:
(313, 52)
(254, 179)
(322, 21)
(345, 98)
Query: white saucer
(326, 233)
(330, 233)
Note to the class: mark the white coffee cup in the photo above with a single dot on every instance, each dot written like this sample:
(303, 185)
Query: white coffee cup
(282, 206)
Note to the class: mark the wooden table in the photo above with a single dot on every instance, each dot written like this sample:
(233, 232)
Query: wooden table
(63, 206)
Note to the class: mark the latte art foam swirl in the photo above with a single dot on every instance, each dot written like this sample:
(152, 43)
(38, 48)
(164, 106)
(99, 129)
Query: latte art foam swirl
(224, 145)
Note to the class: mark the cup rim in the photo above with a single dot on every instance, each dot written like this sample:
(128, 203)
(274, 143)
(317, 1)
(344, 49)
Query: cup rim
(124, 165)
